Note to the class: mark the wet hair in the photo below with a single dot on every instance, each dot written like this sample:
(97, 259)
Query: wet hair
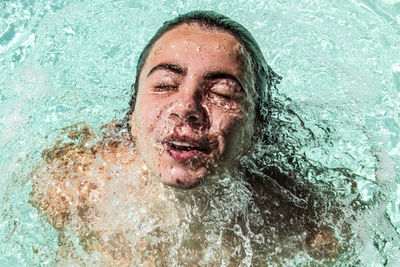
(265, 78)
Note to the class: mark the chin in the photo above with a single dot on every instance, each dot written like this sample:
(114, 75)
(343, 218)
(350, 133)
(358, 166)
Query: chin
(181, 177)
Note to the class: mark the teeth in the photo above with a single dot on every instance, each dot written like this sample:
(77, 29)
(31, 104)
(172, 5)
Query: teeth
(180, 143)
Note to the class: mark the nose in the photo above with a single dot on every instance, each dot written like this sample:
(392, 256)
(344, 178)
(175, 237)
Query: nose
(188, 107)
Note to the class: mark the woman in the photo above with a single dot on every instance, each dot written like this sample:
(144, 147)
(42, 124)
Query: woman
(200, 99)
(199, 83)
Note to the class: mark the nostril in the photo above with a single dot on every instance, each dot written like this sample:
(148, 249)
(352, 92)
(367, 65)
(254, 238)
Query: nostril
(173, 114)
(189, 112)
(192, 118)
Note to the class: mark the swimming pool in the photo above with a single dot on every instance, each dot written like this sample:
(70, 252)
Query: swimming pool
(64, 62)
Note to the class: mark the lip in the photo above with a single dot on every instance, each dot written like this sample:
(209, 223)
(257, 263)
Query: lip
(183, 148)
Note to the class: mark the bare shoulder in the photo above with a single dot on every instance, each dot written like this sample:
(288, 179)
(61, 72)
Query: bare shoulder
(72, 175)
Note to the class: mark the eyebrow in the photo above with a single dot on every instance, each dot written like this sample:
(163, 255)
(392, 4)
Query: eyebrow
(222, 75)
(169, 67)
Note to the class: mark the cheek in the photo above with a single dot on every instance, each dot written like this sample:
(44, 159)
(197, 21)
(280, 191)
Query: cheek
(146, 112)
(223, 123)
(146, 119)
(232, 129)
(151, 116)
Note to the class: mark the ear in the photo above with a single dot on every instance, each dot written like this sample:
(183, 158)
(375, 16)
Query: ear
(132, 123)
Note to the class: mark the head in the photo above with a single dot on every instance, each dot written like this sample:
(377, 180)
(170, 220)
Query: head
(200, 84)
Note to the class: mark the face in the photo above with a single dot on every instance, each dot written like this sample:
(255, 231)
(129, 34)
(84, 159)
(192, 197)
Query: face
(194, 110)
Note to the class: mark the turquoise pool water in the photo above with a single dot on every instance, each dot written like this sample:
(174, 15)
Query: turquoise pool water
(63, 62)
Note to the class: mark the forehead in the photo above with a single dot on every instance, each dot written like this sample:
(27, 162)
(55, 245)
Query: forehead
(186, 42)
(193, 34)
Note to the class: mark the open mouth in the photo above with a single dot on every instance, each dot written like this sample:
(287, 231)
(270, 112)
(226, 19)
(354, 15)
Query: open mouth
(183, 150)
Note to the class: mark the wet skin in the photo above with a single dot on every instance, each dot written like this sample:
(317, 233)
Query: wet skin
(194, 111)
(194, 107)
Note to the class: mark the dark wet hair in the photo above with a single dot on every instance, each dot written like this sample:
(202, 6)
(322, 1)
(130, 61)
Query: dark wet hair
(265, 77)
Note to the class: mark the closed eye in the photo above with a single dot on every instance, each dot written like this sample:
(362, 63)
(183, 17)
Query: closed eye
(165, 87)
(227, 97)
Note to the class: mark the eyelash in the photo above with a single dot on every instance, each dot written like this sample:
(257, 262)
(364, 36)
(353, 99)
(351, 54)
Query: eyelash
(222, 96)
(162, 88)
(165, 87)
